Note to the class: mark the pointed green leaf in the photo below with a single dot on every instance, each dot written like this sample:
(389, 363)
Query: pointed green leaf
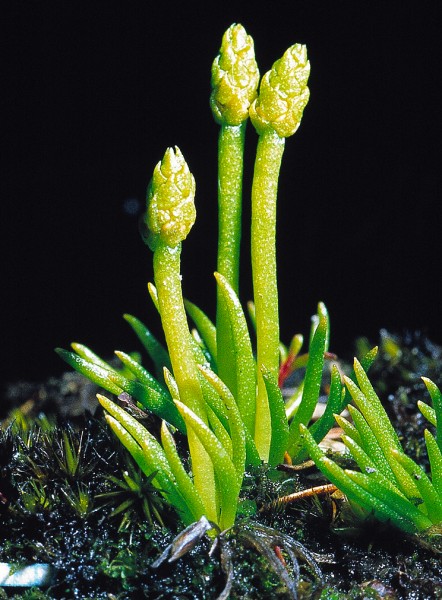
(184, 482)
(436, 398)
(312, 384)
(435, 457)
(94, 372)
(245, 366)
(206, 328)
(132, 434)
(280, 427)
(236, 424)
(223, 466)
(335, 405)
(432, 500)
(153, 347)
(352, 489)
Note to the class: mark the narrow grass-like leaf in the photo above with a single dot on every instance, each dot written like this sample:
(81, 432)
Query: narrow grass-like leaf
(370, 444)
(435, 457)
(280, 429)
(294, 401)
(224, 469)
(153, 295)
(354, 491)
(237, 428)
(153, 347)
(97, 374)
(379, 427)
(365, 463)
(142, 436)
(141, 373)
(400, 511)
(90, 356)
(349, 429)
(335, 405)
(131, 445)
(428, 412)
(220, 431)
(159, 404)
(126, 427)
(436, 398)
(366, 361)
(171, 384)
(184, 482)
(373, 410)
(312, 384)
(245, 366)
(206, 328)
(429, 495)
(368, 467)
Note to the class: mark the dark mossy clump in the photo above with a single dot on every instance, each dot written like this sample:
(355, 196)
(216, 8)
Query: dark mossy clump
(71, 497)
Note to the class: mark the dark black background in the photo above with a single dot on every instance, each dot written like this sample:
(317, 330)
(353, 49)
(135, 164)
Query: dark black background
(95, 92)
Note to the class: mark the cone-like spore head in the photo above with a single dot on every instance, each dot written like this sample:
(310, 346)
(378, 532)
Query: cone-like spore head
(170, 210)
(235, 77)
(283, 94)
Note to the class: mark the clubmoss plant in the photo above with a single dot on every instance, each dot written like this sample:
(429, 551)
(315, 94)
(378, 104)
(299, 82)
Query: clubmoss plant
(390, 485)
(210, 385)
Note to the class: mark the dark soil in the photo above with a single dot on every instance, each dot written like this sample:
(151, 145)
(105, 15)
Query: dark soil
(61, 503)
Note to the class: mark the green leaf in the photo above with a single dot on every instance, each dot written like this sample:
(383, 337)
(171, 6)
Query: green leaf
(389, 505)
(312, 383)
(184, 482)
(349, 429)
(153, 347)
(245, 366)
(428, 412)
(436, 398)
(354, 491)
(206, 328)
(370, 444)
(373, 411)
(90, 356)
(379, 427)
(141, 373)
(132, 434)
(97, 374)
(236, 424)
(335, 405)
(224, 469)
(280, 428)
(432, 500)
(160, 404)
(435, 457)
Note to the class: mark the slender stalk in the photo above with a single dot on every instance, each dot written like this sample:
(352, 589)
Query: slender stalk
(235, 79)
(263, 250)
(169, 218)
(275, 114)
(176, 330)
(230, 173)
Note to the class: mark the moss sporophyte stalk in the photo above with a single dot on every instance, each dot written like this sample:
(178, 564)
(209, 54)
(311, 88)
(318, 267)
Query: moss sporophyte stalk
(212, 386)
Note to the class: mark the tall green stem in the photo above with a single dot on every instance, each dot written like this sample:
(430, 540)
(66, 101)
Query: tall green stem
(167, 276)
(264, 192)
(176, 330)
(170, 216)
(230, 172)
(235, 79)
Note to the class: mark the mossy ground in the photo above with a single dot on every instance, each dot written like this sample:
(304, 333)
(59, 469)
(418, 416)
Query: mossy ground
(59, 483)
